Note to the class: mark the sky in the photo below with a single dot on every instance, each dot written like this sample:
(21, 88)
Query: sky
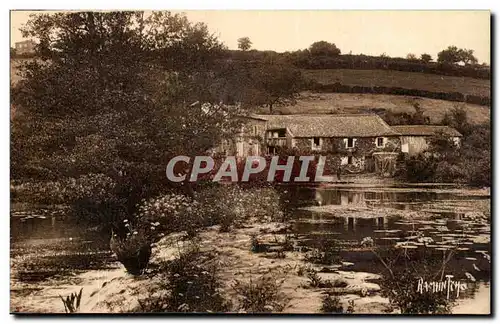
(395, 33)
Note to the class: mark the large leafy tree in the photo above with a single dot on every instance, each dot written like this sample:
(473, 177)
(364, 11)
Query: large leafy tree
(112, 93)
(453, 55)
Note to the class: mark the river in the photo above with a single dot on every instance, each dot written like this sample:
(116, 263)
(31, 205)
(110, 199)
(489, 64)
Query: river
(47, 247)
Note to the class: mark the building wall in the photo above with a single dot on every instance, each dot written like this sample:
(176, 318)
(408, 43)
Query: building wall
(362, 145)
(414, 145)
(25, 47)
(355, 159)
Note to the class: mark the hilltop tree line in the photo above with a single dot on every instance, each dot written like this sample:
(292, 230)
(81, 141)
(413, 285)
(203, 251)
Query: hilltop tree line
(325, 55)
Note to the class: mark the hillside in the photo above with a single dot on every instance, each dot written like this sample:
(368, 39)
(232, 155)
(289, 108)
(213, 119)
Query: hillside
(408, 80)
(315, 103)
(363, 103)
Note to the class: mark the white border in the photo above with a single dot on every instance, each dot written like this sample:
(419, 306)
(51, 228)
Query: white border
(201, 4)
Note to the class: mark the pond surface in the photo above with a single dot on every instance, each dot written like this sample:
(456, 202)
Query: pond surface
(47, 243)
(457, 225)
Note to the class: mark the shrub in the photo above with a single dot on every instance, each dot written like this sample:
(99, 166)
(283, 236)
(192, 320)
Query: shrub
(133, 250)
(173, 213)
(262, 295)
(331, 304)
(225, 205)
(399, 281)
(190, 284)
(72, 302)
(325, 251)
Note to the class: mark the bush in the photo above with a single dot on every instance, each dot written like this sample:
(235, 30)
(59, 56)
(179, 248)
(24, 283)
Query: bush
(262, 295)
(331, 304)
(190, 284)
(399, 281)
(173, 213)
(133, 250)
(225, 205)
(325, 251)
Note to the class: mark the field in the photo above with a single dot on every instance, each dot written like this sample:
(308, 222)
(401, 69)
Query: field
(315, 103)
(408, 80)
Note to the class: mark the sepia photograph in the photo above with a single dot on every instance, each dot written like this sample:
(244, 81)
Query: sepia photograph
(311, 162)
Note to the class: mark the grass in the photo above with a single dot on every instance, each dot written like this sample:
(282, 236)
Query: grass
(325, 103)
(408, 80)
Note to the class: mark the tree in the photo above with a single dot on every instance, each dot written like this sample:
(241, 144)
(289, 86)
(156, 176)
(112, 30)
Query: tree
(451, 55)
(12, 52)
(411, 57)
(426, 58)
(244, 43)
(323, 48)
(115, 101)
(457, 118)
(273, 83)
(467, 56)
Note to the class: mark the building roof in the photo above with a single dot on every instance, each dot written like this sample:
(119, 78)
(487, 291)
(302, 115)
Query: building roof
(331, 125)
(426, 130)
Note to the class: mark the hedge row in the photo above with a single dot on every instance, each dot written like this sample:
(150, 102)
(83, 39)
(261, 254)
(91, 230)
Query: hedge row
(304, 60)
(450, 96)
(371, 63)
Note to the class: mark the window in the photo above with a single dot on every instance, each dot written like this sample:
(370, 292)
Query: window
(350, 143)
(316, 143)
(255, 130)
(349, 160)
(380, 142)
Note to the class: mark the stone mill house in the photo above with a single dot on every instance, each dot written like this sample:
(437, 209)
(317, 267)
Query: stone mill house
(358, 142)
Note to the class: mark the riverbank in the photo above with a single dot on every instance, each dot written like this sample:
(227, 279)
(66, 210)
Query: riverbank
(115, 291)
(112, 290)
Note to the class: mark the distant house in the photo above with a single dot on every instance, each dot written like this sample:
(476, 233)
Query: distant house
(25, 47)
(415, 138)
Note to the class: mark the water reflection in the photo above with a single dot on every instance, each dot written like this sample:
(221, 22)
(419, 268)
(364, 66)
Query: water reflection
(44, 245)
(447, 229)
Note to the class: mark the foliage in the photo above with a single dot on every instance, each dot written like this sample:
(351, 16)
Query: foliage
(217, 204)
(426, 58)
(111, 94)
(325, 251)
(453, 55)
(173, 213)
(190, 283)
(132, 250)
(411, 57)
(275, 82)
(261, 295)
(72, 302)
(396, 118)
(469, 163)
(331, 304)
(399, 283)
(244, 43)
(323, 48)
